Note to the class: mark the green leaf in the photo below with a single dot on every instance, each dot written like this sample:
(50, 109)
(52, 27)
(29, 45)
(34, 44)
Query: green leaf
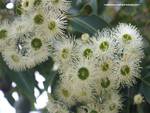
(46, 67)
(49, 79)
(25, 80)
(87, 24)
(46, 70)
(76, 3)
(94, 6)
(9, 97)
(145, 87)
(101, 6)
(25, 83)
(23, 105)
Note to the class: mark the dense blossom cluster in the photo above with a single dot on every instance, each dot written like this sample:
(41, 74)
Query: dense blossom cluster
(26, 41)
(91, 68)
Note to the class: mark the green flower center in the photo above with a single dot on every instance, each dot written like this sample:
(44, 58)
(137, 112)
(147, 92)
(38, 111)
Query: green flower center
(38, 19)
(112, 107)
(93, 111)
(65, 93)
(65, 53)
(52, 25)
(3, 34)
(104, 46)
(104, 66)
(125, 70)
(126, 38)
(83, 73)
(37, 2)
(15, 58)
(87, 53)
(36, 43)
(105, 83)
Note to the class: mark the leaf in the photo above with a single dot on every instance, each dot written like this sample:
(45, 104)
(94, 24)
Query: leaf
(76, 3)
(101, 5)
(49, 79)
(87, 24)
(25, 83)
(9, 97)
(46, 67)
(46, 70)
(145, 87)
(23, 105)
(94, 6)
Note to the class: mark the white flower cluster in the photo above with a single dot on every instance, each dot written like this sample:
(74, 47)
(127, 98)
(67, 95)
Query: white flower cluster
(26, 41)
(92, 69)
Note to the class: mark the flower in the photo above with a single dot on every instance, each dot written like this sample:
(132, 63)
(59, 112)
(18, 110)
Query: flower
(90, 108)
(126, 70)
(63, 91)
(138, 99)
(109, 103)
(65, 51)
(105, 66)
(14, 59)
(85, 37)
(112, 103)
(81, 75)
(105, 44)
(54, 106)
(136, 54)
(39, 16)
(86, 50)
(82, 71)
(21, 25)
(62, 5)
(37, 47)
(51, 23)
(15, 55)
(101, 86)
(128, 35)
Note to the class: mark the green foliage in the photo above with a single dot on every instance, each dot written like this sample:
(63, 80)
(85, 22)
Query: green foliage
(145, 87)
(25, 81)
(87, 24)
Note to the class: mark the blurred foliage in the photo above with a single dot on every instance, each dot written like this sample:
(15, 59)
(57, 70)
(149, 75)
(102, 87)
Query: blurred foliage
(85, 16)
